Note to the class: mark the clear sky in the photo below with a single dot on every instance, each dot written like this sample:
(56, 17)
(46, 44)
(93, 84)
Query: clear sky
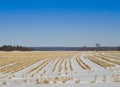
(60, 22)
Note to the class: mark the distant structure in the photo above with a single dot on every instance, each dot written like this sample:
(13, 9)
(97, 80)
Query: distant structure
(97, 45)
(85, 46)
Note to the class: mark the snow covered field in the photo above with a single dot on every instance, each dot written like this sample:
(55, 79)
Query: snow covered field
(60, 69)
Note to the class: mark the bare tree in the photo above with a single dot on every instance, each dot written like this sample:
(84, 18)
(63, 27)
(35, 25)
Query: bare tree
(97, 45)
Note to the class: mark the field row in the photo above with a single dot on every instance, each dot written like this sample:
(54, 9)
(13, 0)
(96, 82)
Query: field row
(59, 67)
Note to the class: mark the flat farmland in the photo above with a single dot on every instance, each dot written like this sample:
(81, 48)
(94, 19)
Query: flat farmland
(60, 69)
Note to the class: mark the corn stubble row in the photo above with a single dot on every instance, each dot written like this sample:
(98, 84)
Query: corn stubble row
(60, 61)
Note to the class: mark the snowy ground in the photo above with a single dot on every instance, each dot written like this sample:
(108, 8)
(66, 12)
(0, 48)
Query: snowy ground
(63, 75)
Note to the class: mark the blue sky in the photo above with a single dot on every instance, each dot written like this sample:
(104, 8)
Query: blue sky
(60, 22)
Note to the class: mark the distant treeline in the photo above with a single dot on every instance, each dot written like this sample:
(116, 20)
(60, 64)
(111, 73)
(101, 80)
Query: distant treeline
(21, 48)
(14, 48)
(76, 48)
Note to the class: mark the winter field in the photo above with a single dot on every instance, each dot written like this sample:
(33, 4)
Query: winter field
(60, 69)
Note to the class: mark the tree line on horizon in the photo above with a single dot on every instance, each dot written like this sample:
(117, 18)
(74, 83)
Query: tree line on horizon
(14, 48)
(76, 48)
(21, 48)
